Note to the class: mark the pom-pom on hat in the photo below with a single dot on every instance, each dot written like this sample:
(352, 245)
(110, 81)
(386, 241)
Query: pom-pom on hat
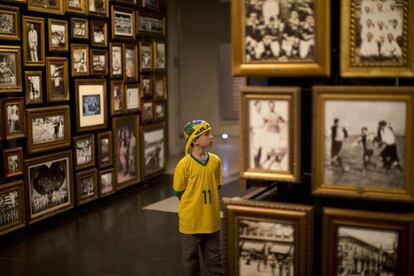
(194, 129)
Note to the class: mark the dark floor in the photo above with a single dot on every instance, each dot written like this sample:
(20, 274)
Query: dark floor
(112, 236)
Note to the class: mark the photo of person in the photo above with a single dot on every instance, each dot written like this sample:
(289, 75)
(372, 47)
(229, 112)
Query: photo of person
(80, 60)
(7, 23)
(118, 104)
(13, 165)
(87, 187)
(79, 28)
(147, 112)
(123, 24)
(105, 151)
(146, 87)
(13, 118)
(34, 83)
(83, 152)
(48, 129)
(98, 33)
(130, 58)
(91, 105)
(99, 62)
(126, 151)
(58, 36)
(33, 40)
(8, 69)
(107, 185)
(116, 62)
(57, 84)
(154, 150)
(160, 56)
(146, 60)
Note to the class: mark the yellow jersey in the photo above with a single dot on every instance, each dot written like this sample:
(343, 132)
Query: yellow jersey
(198, 182)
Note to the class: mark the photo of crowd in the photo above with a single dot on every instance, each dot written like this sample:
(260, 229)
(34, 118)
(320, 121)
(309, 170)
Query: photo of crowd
(48, 129)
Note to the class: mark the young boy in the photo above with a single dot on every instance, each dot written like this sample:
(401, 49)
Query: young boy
(197, 179)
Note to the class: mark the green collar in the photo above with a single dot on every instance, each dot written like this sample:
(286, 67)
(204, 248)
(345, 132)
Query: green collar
(201, 162)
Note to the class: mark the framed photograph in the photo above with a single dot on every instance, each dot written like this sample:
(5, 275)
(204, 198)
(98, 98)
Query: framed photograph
(58, 35)
(49, 185)
(33, 41)
(351, 236)
(150, 25)
(84, 151)
(377, 38)
(34, 87)
(48, 6)
(160, 110)
(160, 57)
(86, 186)
(270, 123)
(10, 27)
(117, 97)
(160, 87)
(105, 146)
(147, 111)
(98, 7)
(14, 124)
(153, 150)
(132, 99)
(267, 238)
(99, 34)
(91, 104)
(281, 38)
(75, 6)
(125, 130)
(145, 56)
(11, 69)
(80, 28)
(99, 62)
(107, 182)
(130, 62)
(48, 128)
(57, 77)
(146, 86)
(123, 22)
(12, 215)
(362, 142)
(152, 4)
(80, 59)
(13, 162)
(116, 60)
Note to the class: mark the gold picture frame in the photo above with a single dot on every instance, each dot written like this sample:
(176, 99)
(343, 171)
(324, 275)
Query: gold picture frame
(34, 87)
(160, 55)
(123, 23)
(98, 7)
(80, 59)
(57, 77)
(84, 151)
(14, 122)
(105, 149)
(86, 186)
(79, 28)
(145, 56)
(99, 62)
(13, 162)
(132, 99)
(150, 24)
(11, 15)
(107, 185)
(99, 33)
(58, 35)
(14, 217)
(130, 62)
(47, 6)
(10, 62)
(76, 6)
(116, 60)
(117, 97)
(153, 150)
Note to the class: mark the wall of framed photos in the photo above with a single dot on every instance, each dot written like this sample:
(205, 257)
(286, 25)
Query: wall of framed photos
(83, 96)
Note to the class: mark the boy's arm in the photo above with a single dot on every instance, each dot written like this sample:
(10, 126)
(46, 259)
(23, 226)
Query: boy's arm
(219, 175)
(179, 183)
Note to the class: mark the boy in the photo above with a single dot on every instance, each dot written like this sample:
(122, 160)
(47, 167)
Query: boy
(197, 179)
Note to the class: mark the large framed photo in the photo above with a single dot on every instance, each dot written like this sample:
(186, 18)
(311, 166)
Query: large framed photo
(86, 186)
(34, 87)
(91, 104)
(116, 60)
(105, 147)
(75, 6)
(10, 69)
(126, 140)
(153, 150)
(12, 162)
(57, 77)
(123, 23)
(160, 87)
(377, 38)
(281, 38)
(80, 28)
(98, 7)
(49, 185)
(84, 151)
(58, 35)
(270, 141)
(132, 99)
(107, 182)
(99, 62)
(150, 25)
(48, 128)
(159, 55)
(117, 97)
(130, 62)
(362, 142)
(14, 124)
(145, 56)
(48, 6)
(33, 41)
(99, 34)
(80, 59)
(265, 238)
(10, 27)
(12, 209)
(351, 236)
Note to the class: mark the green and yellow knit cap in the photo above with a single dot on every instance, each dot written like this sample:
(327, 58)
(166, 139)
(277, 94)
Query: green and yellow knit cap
(194, 129)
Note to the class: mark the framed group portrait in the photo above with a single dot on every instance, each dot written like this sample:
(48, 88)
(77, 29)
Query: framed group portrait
(84, 151)
(47, 6)
(58, 35)
(281, 38)
(57, 77)
(153, 149)
(123, 22)
(12, 162)
(106, 182)
(80, 28)
(116, 60)
(377, 38)
(117, 97)
(270, 137)
(105, 149)
(80, 59)
(267, 238)
(13, 215)
(362, 142)
(10, 27)
(362, 242)
(76, 6)
(150, 24)
(10, 69)
(49, 185)
(33, 87)
(86, 186)
(14, 120)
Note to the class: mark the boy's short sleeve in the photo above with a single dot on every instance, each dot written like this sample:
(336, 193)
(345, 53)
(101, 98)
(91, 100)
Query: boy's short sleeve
(180, 181)
(219, 176)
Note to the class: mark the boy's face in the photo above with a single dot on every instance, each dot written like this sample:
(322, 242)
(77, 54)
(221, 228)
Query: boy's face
(205, 140)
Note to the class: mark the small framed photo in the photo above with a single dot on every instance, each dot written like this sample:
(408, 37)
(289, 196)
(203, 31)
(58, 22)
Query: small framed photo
(48, 128)
(376, 38)
(350, 236)
(160, 110)
(49, 185)
(12, 217)
(362, 142)
(75, 6)
(151, 4)
(123, 22)
(150, 25)
(145, 58)
(10, 64)
(105, 146)
(86, 186)
(13, 162)
(160, 87)
(47, 6)
(107, 183)
(117, 97)
(33, 41)
(116, 60)
(99, 34)
(270, 119)
(130, 62)
(98, 7)
(132, 98)
(57, 79)
(34, 87)
(266, 236)
(10, 18)
(146, 86)
(80, 59)
(99, 62)
(147, 111)
(80, 28)
(84, 151)
(160, 57)
(153, 150)
(14, 118)
(58, 35)
(91, 104)
(125, 130)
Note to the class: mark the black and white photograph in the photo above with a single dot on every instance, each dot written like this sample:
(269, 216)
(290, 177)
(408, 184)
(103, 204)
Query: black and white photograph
(98, 33)
(48, 6)
(84, 151)
(8, 70)
(48, 129)
(77, 6)
(13, 162)
(106, 180)
(153, 141)
(9, 23)
(159, 48)
(33, 40)
(132, 97)
(99, 60)
(33, 87)
(147, 110)
(123, 23)
(159, 110)
(104, 145)
(149, 24)
(159, 87)
(117, 97)
(130, 53)
(58, 35)
(12, 209)
(145, 51)
(116, 60)
(80, 28)
(105, 150)
(364, 143)
(146, 86)
(57, 79)
(99, 7)
(91, 105)
(265, 247)
(87, 187)
(14, 118)
(80, 59)
(364, 251)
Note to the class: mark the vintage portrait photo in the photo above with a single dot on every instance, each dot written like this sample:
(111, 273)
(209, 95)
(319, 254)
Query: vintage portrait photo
(146, 86)
(99, 7)
(117, 97)
(130, 61)
(86, 186)
(147, 110)
(115, 51)
(10, 78)
(105, 149)
(106, 182)
(160, 87)
(9, 23)
(99, 60)
(33, 81)
(48, 129)
(58, 35)
(13, 162)
(80, 28)
(57, 79)
(33, 41)
(80, 59)
(123, 22)
(153, 141)
(160, 58)
(12, 205)
(14, 118)
(132, 97)
(145, 51)
(48, 6)
(99, 34)
(84, 151)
